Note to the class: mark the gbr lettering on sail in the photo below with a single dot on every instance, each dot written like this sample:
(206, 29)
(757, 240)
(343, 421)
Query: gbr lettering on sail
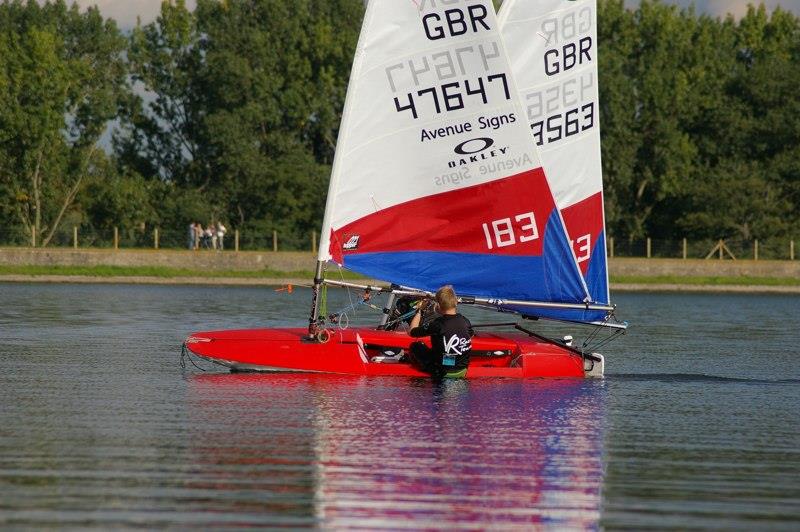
(432, 75)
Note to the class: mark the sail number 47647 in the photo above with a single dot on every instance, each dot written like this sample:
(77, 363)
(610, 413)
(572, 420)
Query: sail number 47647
(508, 231)
(450, 96)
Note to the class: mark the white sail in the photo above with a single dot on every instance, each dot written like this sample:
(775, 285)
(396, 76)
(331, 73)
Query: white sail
(432, 118)
(552, 45)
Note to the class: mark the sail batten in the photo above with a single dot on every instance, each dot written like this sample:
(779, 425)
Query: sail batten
(436, 179)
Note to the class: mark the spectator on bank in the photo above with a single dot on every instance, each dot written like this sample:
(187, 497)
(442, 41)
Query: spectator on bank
(212, 230)
(220, 236)
(208, 236)
(192, 242)
(198, 235)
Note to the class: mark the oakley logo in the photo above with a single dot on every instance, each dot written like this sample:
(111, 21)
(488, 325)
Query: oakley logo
(468, 147)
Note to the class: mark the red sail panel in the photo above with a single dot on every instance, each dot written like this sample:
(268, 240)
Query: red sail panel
(503, 217)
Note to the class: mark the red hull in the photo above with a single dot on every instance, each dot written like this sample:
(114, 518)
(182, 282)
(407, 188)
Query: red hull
(351, 352)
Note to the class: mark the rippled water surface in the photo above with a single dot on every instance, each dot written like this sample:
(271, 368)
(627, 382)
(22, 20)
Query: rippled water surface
(696, 425)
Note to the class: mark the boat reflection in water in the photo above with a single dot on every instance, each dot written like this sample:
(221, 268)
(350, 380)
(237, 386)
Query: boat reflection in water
(372, 452)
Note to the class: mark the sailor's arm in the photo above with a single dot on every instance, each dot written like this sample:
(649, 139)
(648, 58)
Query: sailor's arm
(415, 330)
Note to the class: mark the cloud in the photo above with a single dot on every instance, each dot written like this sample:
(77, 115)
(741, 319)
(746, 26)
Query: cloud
(126, 11)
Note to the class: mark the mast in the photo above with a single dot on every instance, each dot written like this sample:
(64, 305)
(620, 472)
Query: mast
(323, 254)
(312, 319)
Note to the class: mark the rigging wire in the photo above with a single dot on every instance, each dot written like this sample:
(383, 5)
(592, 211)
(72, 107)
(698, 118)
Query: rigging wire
(587, 343)
(608, 339)
(338, 317)
(349, 295)
(343, 314)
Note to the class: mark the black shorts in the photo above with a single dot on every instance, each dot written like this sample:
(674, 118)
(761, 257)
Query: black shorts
(429, 361)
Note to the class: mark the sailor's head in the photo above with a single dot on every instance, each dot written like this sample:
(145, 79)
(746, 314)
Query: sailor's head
(446, 298)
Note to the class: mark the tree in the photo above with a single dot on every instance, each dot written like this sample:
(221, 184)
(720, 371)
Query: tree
(245, 105)
(657, 100)
(163, 127)
(61, 78)
(118, 200)
(698, 121)
(748, 140)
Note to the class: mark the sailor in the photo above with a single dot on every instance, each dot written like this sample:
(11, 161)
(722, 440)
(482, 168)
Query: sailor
(451, 337)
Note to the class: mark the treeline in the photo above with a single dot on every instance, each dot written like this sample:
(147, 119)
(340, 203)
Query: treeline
(230, 112)
(700, 122)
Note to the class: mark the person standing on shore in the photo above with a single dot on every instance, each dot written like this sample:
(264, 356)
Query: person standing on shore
(198, 235)
(192, 242)
(211, 231)
(221, 230)
(208, 236)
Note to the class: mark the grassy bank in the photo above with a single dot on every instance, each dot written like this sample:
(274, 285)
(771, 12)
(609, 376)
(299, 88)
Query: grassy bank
(164, 272)
(704, 280)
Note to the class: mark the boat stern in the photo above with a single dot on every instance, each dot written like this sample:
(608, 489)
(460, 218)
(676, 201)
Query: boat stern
(594, 365)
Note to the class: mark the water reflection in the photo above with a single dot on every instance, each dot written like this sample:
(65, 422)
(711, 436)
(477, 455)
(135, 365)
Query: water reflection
(367, 452)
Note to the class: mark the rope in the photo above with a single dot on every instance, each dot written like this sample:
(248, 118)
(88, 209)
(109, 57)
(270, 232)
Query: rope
(596, 331)
(401, 319)
(613, 336)
(343, 313)
(186, 353)
(341, 274)
(591, 336)
(609, 339)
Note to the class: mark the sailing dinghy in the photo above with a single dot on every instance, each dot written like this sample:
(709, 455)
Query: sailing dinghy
(437, 180)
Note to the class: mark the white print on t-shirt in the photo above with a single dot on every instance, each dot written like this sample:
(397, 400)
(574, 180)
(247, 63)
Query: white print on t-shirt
(455, 345)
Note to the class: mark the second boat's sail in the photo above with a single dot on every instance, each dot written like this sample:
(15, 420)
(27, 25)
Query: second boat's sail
(436, 179)
(552, 45)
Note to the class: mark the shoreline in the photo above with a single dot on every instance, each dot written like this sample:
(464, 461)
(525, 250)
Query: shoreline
(300, 282)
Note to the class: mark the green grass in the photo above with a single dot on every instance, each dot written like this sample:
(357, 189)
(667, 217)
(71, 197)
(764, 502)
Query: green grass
(166, 272)
(159, 271)
(701, 280)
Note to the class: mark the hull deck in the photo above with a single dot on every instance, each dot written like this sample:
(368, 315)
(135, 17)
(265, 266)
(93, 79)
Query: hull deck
(364, 352)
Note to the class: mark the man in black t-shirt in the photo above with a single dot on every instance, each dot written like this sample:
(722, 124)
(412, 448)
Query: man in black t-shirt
(451, 337)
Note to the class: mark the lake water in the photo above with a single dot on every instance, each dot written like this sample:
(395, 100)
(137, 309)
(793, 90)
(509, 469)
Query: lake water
(696, 425)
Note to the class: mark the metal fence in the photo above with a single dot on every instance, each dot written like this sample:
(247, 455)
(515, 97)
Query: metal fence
(157, 238)
(236, 240)
(725, 249)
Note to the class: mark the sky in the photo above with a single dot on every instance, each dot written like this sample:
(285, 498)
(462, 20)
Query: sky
(736, 7)
(126, 11)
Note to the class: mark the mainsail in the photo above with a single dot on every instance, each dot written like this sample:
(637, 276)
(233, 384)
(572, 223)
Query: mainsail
(552, 46)
(436, 178)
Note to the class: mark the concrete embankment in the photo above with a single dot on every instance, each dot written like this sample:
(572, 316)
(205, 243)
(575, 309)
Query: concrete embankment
(204, 260)
(293, 263)
(775, 269)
